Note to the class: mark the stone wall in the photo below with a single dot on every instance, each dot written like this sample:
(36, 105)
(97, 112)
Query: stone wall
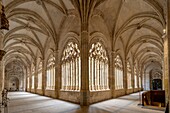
(28, 89)
(136, 89)
(97, 96)
(39, 91)
(119, 93)
(129, 91)
(70, 96)
(32, 90)
(50, 93)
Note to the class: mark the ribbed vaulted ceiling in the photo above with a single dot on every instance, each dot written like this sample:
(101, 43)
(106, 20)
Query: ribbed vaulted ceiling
(132, 26)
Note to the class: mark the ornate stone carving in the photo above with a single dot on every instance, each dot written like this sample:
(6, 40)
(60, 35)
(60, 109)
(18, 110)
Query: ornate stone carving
(2, 53)
(39, 2)
(4, 21)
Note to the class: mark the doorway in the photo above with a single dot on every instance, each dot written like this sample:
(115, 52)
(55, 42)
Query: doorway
(13, 84)
(157, 84)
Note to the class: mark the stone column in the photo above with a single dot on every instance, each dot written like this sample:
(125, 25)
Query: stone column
(141, 75)
(1, 78)
(132, 76)
(2, 53)
(84, 92)
(163, 75)
(43, 77)
(166, 68)
(137, 75)
(36, 79)
(112, 74)
(57, 73)
(144, 78)
(125, 84)
(133, 81)
(167, 55)
(26, 82)
(30, 80)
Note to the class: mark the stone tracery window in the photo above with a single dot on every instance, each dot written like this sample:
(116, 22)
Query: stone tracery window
(118, 73)
(129, 76)
(135, 78)
(71, 68)
(98, 68)
(33, 74)
(40, 76)
(50, 74)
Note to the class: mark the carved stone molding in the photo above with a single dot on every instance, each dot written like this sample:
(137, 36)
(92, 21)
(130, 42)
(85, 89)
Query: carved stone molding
(2, 53)
(4, 21)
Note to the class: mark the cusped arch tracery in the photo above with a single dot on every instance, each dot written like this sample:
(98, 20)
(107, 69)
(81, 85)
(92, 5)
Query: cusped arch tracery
(50, 72)
(71, 67)
(118, 69)
(98, 68)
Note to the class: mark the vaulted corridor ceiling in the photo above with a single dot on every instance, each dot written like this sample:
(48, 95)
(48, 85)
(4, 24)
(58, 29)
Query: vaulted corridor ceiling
(135, 25)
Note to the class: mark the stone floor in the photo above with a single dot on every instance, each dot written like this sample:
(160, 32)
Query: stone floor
(23, 102)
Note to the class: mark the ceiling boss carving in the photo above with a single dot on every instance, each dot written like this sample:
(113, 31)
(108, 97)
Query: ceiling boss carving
(39, 2)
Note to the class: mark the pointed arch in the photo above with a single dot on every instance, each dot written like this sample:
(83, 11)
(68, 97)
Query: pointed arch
(118, 72)
(98, 68)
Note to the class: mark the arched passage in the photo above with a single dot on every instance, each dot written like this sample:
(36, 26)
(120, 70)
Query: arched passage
(14, 76)
(156, 84)
(13, 84)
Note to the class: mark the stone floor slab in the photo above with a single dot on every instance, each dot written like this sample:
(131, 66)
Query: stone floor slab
(24, 102)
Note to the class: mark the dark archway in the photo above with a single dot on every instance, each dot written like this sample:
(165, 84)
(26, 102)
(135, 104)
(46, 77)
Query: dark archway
(156, 84)
(13, 84)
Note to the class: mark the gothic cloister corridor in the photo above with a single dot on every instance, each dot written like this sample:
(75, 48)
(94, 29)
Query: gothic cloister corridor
(24, 102)
(85, 55)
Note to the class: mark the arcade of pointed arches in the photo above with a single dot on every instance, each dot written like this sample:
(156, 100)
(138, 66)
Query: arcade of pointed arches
(71, 70)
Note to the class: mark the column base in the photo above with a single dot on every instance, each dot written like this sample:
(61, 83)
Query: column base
(84, 98)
